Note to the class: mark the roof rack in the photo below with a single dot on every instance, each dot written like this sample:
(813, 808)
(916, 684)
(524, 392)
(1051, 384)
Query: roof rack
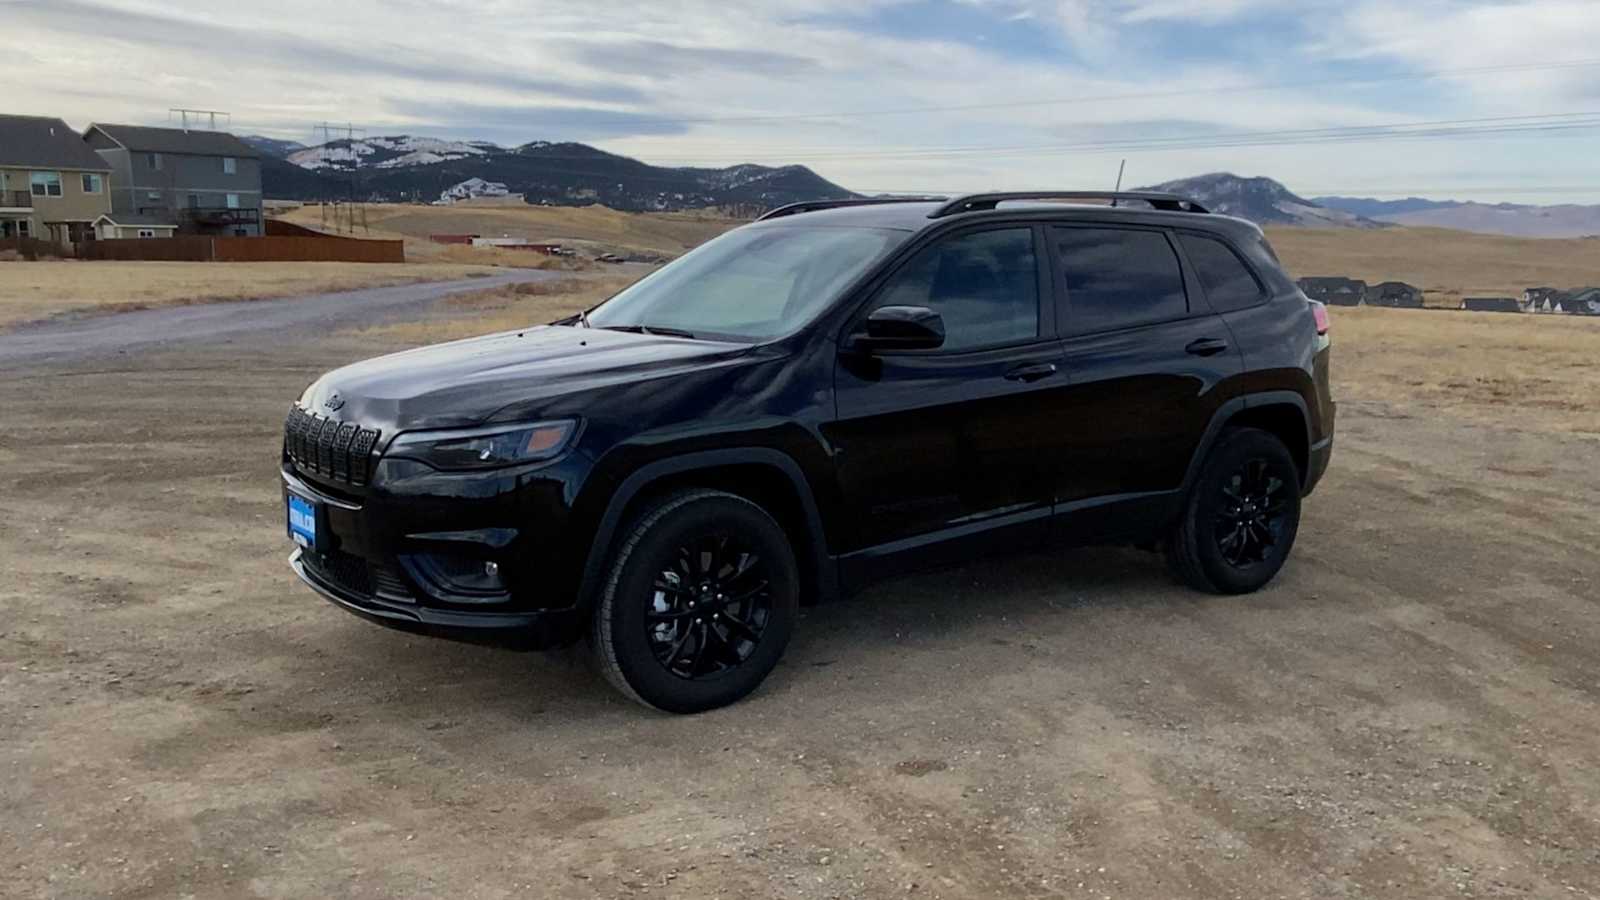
(974, 202)
(814, 205)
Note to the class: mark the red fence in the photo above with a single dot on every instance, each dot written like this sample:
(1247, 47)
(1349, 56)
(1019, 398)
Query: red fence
(246, 249)
(33, 248)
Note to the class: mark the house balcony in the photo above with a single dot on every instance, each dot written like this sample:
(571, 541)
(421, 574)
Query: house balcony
(219, 216)
(12, 201)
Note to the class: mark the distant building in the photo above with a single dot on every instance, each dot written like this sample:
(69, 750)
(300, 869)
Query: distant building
(52, 187)
(1542, 299)
(1492, 304)
(1334, 291)
(200, 182)
(1395, 294)
(121, 226)
(1582, 302)
(472, 189)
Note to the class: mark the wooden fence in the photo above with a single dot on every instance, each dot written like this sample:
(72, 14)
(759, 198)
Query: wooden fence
(246, 249)
(33, 248)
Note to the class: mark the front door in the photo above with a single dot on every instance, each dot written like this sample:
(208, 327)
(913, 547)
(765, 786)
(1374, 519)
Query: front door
(953, 442)
(1144, 353)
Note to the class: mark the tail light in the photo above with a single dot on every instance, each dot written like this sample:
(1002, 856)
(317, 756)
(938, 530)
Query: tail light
(1319, 312)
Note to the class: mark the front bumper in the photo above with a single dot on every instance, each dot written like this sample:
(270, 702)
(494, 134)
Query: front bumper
(520, 631)
(375, 545)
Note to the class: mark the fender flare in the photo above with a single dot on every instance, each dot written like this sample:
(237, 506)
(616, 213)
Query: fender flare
(1219, 421)
(642, 478)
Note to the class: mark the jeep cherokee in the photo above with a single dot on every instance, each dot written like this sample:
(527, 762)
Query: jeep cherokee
(837, 392)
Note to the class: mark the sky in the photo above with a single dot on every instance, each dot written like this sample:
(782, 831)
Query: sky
(1490, 100)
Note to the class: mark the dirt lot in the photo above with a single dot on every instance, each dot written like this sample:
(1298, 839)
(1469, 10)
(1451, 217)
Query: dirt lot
(31, 291)
(1410, 711)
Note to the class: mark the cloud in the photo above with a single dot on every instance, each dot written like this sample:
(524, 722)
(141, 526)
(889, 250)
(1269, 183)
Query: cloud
(660, 59)
(227, 44)
(516, 124)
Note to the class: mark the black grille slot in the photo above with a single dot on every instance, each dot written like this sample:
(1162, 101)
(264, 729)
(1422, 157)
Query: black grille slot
(339, 451)
(389, 583)
(341, 570)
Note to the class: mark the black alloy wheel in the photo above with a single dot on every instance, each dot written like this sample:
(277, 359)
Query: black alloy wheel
(1250, 521)
(709, 607)
(1241, 516)
(700, 597)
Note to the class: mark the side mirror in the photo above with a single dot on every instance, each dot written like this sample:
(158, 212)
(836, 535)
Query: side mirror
(899, 328)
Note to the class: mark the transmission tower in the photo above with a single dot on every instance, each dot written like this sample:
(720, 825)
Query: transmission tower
(209, 114)
(353, 208)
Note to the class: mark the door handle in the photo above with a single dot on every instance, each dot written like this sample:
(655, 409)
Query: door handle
(1206, 347)
(1031, 372)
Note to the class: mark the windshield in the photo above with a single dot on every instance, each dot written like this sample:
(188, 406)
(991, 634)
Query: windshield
(749, 284)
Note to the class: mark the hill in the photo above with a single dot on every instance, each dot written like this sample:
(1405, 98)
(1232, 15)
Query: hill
(272, 146)
(1261, 200)
(1511, 219)
(421, 169)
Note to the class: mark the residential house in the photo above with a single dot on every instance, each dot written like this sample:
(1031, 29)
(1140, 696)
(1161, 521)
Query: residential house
(1334, 291)
(1394, 293)
(52, 186)
(1492, 304)
(198, 182)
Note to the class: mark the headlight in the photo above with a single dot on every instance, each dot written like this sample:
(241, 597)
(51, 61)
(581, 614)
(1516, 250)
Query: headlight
(486, 448)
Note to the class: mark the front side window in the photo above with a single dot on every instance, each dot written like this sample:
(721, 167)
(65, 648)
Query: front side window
(92, 184)
(985, 286)
(1119, 278)
(749, 284)
(1229, 285)
(46, 184)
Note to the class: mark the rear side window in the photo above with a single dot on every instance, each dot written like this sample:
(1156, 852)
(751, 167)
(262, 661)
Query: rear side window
(1119, 278)
(984, 285)
(1228, 282)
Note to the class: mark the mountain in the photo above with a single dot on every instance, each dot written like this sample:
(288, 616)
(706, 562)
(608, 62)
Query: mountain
(1261, 200)
(1376, 209)
(272, 146)
(1516, 220)
(421, 169)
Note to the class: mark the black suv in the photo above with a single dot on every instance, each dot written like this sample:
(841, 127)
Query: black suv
(834, 393)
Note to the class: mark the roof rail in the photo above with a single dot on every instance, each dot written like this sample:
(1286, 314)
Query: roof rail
(974, 202)
(814, 205)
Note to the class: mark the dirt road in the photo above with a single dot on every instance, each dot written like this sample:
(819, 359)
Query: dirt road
(1410, 711)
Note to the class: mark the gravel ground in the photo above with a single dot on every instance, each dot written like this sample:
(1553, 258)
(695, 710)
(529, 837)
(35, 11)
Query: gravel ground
(1409, 711)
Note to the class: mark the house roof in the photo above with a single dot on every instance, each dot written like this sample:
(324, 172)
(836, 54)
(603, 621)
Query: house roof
(45, 142)
(141, 139)
(139, 220)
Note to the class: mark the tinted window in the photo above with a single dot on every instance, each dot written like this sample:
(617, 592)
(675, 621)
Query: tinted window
(1229, 285)
(754, 282)
(1119, 278)
(985, 286)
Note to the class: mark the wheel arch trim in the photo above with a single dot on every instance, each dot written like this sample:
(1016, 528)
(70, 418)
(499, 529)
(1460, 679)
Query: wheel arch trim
(1232, 408)
(652, 473)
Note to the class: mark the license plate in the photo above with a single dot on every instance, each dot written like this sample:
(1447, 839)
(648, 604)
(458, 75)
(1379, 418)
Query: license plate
(303, 521)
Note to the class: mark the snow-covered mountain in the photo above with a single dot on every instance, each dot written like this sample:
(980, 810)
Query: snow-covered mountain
(1261, 200)
(1561, 221)
(411, 167)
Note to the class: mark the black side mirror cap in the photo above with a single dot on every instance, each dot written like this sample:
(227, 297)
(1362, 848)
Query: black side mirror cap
(899, 328)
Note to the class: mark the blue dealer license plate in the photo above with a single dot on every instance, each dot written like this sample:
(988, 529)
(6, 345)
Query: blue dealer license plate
(303, 521)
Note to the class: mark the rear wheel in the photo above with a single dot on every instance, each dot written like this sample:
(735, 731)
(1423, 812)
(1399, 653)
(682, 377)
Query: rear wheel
(700, 600)
(1241, 516)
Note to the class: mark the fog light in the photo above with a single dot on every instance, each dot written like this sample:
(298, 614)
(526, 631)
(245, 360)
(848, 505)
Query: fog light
(491, 570)
(459, 576)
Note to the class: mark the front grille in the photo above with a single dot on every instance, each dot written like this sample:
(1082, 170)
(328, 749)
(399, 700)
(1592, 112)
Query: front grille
(340, 570)
(338, 451)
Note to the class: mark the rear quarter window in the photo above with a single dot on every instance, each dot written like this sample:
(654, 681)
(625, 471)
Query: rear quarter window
(1228, 282)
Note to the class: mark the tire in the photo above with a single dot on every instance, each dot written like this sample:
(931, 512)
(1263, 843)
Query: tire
(1241, 515)
(666, 641)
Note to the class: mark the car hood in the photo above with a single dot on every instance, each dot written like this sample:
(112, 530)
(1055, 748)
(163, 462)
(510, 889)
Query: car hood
(465, 383)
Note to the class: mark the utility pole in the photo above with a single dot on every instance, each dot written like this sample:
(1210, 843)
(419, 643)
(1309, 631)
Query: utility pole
(211, 114)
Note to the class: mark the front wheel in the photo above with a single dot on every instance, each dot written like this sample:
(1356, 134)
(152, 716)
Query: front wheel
(699, 602)
(1241, 516)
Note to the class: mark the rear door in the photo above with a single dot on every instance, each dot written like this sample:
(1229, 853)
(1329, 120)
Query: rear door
(1144, 353)
(939, 442)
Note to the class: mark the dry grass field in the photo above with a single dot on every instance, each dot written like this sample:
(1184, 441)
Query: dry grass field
(30, 291)
(1447, 265)
(501, 309)
(594, 229)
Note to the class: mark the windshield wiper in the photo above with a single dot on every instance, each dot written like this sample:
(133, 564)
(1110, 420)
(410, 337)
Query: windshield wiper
(650, 329)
